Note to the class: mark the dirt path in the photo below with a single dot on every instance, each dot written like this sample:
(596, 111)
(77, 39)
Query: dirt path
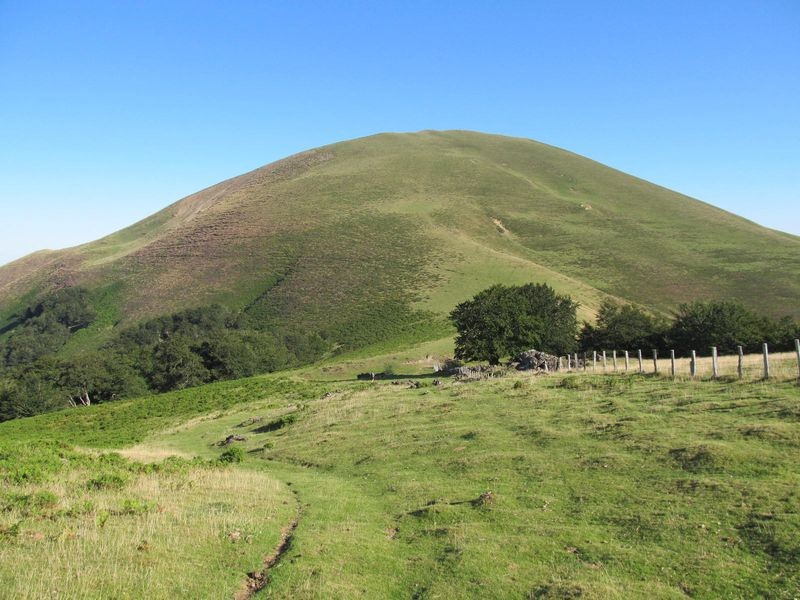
(255, 580)
(258, 580)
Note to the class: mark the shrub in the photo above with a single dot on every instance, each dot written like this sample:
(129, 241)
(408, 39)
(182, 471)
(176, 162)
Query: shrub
(29, 504)
(390, 368)
(22, 463)
(234, 454)
(10, 532)
(84, 507)
(102, 518)
(134, 506)
(108, 481)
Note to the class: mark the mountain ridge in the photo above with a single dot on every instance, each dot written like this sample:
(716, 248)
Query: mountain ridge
(222, 184)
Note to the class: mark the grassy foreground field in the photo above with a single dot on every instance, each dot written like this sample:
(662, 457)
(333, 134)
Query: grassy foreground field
(102, 527)
(522, 487)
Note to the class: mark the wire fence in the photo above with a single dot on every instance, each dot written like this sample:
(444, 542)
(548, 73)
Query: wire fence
(781, 366)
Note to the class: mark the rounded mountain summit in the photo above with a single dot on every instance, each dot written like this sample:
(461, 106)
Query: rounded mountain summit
(396, 229)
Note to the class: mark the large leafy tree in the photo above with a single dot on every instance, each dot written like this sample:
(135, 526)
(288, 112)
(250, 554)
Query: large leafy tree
(504, 320)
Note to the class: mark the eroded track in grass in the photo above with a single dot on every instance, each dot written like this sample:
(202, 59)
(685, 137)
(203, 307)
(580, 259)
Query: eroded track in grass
(258, 580)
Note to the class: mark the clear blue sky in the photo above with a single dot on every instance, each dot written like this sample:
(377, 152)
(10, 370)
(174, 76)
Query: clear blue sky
(111, 110)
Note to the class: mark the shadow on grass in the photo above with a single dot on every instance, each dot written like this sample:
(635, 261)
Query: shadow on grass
(384, 377)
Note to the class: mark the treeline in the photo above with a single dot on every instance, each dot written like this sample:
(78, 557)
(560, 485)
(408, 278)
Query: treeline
(185, 349)
(502, 321)
(695, 326)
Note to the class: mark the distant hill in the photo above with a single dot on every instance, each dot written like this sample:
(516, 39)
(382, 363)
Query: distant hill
(398, 228)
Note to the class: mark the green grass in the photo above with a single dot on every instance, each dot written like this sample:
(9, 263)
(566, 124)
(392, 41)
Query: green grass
(126, 422)
(533, 487)
(78, 525)
(412, 361)
(602, 486)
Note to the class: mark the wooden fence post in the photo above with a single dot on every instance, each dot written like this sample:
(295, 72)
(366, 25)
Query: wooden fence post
(641, 366)
(714, 369)
(594, 360)
(627, 360)
(693, 364)
(585, 365)
(614, 360)
(576, 361)
(604, 360)
(569, 362)
(655, 361)
(797, 351)
(766, 360)
(672, 361)
(740, 367)
(558, 366)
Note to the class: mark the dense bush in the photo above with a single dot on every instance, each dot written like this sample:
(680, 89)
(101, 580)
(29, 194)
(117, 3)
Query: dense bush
(780, 333)
(624, 326)
(234, 454)
(504, 320)
(726, 325)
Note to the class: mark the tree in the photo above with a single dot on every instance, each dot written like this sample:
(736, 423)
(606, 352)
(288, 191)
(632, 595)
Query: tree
(227, 355)
(69, 306)
(38, 338)
(504, 320)
(176, 366)
(622, 327)
(29, 390)
(726, 325)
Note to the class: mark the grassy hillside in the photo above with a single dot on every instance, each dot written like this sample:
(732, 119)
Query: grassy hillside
(378, 237)
(552, 487)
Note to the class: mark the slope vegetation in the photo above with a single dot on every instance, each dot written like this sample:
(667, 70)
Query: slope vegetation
(397, 228)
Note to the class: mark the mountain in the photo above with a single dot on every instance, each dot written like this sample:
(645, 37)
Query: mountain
(398, 228)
